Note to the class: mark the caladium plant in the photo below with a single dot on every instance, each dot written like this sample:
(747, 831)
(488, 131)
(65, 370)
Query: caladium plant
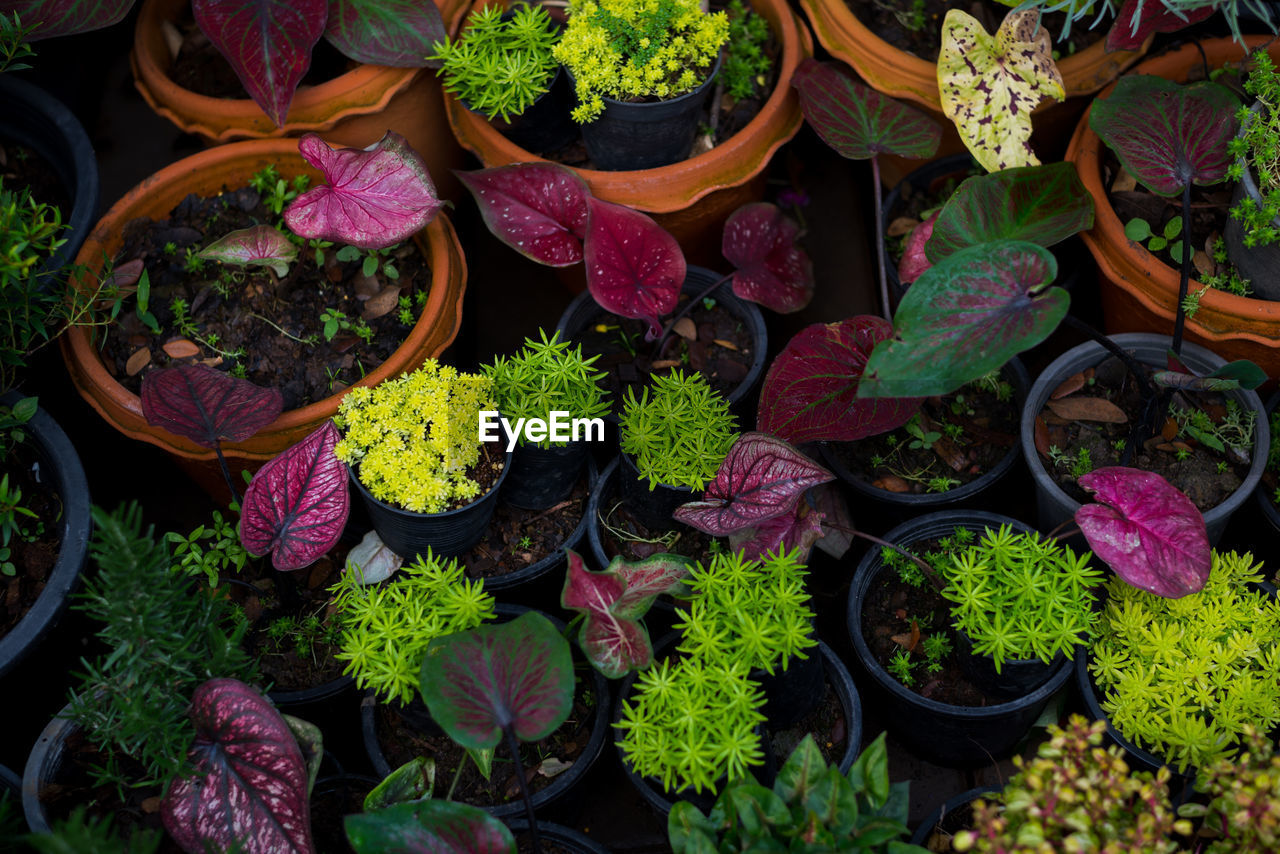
(428, 827)
(255, 246)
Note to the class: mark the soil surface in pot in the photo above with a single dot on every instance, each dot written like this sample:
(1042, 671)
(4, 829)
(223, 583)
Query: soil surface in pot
(543, 760)
(1089, 419)
(23, 166)
(826, 723)
(622, 534)
(330, 804)
(246, 320)
(939, 838)
(518, 538)
(32, 559)
(524, 845)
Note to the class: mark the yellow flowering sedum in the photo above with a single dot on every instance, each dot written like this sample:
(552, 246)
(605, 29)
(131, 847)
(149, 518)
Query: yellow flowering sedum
(629, 50)
(412, 439)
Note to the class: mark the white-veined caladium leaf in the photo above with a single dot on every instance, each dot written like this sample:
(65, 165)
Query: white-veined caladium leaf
(255, 246)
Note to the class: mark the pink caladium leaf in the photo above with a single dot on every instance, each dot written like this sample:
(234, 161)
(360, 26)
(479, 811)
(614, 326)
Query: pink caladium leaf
(428, 827)
(399, 33)
(515, 676)
(255, 246)
(538, 209)
(1147, 531)
(66, 17)
(297, 504)
(811, 390)
(837, 523)
(761, 477)
(248, 791)
(267, 42)
(374, 198)
(760, 240)
(915, 263)
(799, 529)
(1138, 19)
(207, 406)
(635, 268)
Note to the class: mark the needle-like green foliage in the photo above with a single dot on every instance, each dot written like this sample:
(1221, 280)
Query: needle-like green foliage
(678, 431)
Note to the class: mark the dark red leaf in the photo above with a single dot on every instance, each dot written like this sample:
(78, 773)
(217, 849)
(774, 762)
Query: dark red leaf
(914, 261)
(399, 33)
(67, 17)
(760, 240)
(1155, 17)
(634, 267)
(428, 827)
(297, 504)
(207, 406)
(249, 788)
(799, 529)
(538, 209)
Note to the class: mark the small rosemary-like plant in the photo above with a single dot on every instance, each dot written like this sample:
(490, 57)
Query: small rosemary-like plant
(679, 431)
(547, 375)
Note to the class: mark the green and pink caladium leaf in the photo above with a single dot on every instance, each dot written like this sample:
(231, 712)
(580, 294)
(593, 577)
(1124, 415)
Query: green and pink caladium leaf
(811, 390)
(1148, 532)
(965, 318)
(496, 677)
(1167, 135)
(297, 504)
(1138, 19)
(399, 33)
(915, 259)
(66, 17)
(538, 209)
(267, 42)
(798, 529)
(760, 240)
(761, 477)
(858, 122)
(207, 406)
(1039, 204)
(255, 246)
(635, 268)
(248, 789)
(374, 198)
(428, 827)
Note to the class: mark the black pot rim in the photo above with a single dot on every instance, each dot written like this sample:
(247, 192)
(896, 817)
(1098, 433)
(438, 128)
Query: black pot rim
(925, 827)
(558, 833)
(336, 687)
(692, 93)
(413, 514)
(44, 757)
(1269, 510)
(629, 463)
(593, 512)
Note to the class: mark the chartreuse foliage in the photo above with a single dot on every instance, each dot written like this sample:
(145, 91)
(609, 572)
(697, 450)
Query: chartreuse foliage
(1075, 796)
(1184, 677)
(547, 375)
(812, 807)
(1244, 810)
(678, 431)
(1258, 148)
(387, 627)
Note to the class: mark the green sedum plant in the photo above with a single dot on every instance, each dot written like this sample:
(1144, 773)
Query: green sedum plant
(746, 64)
(30, 232)
(1243, 813)
(678, 431)
(1257, 147)
(1184, 677)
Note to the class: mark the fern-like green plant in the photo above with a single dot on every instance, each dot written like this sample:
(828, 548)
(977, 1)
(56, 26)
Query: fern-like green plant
(678, 431)
(1183, 678)
(746, 64)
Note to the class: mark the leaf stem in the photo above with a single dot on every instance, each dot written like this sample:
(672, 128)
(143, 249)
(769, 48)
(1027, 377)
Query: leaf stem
(226, 472)
(933, 577)
(880, 250)
(514, 746)
(1184, 278)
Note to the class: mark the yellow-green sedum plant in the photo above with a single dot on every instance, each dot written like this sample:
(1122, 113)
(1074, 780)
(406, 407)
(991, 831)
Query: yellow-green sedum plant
(678, 431)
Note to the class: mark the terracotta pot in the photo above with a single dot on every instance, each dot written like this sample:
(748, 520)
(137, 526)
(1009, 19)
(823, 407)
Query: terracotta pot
(1140, 291)
(691, 199)
(354, 109)
(207, 173)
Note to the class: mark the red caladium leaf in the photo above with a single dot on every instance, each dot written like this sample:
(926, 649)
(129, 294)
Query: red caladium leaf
(1147, 531)
(249, 789)
(965, 318)
(206, 405)
(297, 504)
(837, 524)
(398, 33)
(811, 390)
(760, 240)
(761, 477)
(66, 17)
(257, 245)
(267, 42)
(799, 529)
(634, 266)
(375, 198)
(859, 122)
(538, 209)
(915, 261)
(516, 675)
(428, 827)
(1138, 19)
(1168, 135)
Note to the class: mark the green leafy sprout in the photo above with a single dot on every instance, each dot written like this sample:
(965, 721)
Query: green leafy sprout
(1169, 238)
(679, 434)
(746, 64)
(1257, 147)
(209, 550)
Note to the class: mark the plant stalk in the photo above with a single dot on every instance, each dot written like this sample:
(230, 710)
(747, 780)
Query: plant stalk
(880, 250)
(688, 307)
(1184, 279)
(226, 472)
(933, 577)
(514, 746)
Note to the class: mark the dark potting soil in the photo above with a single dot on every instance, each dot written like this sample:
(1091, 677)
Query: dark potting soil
(1075, 429)
(914, 206)
(230, 317)
(826, 723)
(33, 560)
(641, 542)
(330, 804)
(23, 166)
(518, 538)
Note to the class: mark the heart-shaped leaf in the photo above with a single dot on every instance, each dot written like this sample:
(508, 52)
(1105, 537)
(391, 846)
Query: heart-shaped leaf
(965, 318)
(428, 827)
(761, 477)
(799, 529)
(257, 245)
(413, 781)
(249, 787)
(375, 197)
(1039, 204)
(1138, 19)
(538, 209)
(399, 33)
(990, 84)
(1147, 531)
(297, 504)
(811, 390)
(479, 682)
(206, 405)
(66, 17)
(915, 259)
(1168, 135)
(837, 524)
(760, 240)
(859, 122)
(635, 268)
(267, 42)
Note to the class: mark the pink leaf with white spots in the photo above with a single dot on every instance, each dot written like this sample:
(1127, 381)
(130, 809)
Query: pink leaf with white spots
(635, 268)
(760, 240)
(914, 262)
(538, 209)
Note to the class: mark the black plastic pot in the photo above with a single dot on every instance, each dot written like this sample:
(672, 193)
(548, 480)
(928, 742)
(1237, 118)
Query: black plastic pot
(540, 477)
(943, 733)
(62, 466)
(938, 818)
(608, 489)
(1017, 677)
(1259, 264)
(545, 125)
(651, 507)
(646, 134)
(294, 701)
(1262, 495)
(792, 693)
(447, 534)
(564, 837)
(340, 786)
(1053, 505)
(42, 767)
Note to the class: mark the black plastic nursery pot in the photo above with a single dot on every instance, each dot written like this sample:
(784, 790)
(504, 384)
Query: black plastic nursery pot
(947, 817)
(651, 507)
(61, 464)
(1263, 494)
(297, 702)
(46, 757)
(540, 477)
(562, 837)
(1053, 505)
(545, 125)
(1259, 264)
(941, 732)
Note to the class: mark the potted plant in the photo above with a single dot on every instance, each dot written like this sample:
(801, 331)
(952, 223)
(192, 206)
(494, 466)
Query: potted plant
(1241, 812)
